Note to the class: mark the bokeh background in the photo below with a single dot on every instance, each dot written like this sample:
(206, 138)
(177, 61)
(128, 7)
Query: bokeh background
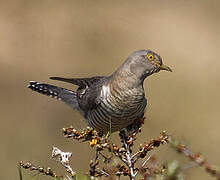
(71, 38)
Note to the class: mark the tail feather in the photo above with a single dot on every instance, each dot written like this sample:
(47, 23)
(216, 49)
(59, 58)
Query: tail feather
(65, 95)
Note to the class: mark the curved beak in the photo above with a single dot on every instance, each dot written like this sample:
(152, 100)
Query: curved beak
(166, 68)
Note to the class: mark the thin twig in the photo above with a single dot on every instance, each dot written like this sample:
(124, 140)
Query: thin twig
(195, 157)
(144, 163)
(45, 171)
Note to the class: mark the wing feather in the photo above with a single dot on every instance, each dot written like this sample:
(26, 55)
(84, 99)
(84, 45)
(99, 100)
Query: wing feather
(88, 92)
(81, 82)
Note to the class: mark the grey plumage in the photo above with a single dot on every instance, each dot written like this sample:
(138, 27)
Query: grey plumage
(109, 103)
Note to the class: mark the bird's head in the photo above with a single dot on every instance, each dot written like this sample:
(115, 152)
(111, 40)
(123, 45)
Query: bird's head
(145, 62)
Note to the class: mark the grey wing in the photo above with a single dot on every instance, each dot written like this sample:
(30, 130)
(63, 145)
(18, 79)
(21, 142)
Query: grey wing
(89, 98)
(81, 82)
(88, 93)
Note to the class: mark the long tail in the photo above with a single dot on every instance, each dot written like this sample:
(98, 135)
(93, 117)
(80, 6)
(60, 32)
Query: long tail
(65, 95)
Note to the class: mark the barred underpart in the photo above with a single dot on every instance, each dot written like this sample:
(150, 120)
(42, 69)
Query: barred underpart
(117, 110)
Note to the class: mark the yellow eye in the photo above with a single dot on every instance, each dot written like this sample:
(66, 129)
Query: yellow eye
(150, 56)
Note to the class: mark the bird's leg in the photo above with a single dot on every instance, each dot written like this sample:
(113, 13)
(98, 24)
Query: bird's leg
(109, 133)
(110, 128)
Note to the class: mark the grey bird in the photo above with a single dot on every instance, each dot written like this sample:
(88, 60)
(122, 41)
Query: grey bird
(109, 103)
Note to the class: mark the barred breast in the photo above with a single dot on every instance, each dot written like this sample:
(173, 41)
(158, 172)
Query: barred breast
(119, 107)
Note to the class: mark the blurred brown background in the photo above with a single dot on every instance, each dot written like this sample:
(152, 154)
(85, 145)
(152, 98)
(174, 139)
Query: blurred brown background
(72, 38)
